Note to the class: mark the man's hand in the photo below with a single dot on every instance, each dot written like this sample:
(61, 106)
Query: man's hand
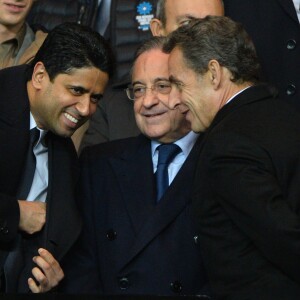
(48, 273)
(32, 216)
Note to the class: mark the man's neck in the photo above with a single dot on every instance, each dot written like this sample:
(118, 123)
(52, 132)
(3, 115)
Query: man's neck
(8, 33)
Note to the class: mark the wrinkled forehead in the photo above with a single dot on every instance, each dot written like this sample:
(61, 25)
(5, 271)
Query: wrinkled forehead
(150, 65)
(178, 9)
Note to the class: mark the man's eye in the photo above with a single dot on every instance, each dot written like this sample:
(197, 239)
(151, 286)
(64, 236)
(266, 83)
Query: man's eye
(164, 87)
(77, 90)
(178, 85)
(96, 99)
(138, 90)
(184, 22)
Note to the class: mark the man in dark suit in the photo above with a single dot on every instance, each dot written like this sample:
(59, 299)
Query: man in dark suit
(114, 117)
(134, 241)
(246, 196)
(275, 30)
(48, 100)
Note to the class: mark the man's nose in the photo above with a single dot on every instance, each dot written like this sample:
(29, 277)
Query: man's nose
(174, 99)
(150, 98)
(83, 106)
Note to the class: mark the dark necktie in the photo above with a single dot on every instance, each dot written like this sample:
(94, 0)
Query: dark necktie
(166, 153)
(29, 166)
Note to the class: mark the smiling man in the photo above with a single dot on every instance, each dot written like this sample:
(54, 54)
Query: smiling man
(246, 195)
(18, 43)
(114, 118)
(138, 236)
(48, 99)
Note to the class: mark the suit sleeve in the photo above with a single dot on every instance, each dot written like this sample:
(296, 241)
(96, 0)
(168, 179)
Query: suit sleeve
(9, 218)
(240, 177)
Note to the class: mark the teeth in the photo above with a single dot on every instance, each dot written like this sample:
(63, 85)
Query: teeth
(72, 119)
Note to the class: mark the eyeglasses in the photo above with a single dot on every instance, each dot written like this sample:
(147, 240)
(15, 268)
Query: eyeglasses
(139, 91)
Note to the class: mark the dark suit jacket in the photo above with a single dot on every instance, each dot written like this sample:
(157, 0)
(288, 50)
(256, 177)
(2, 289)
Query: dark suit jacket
(275, 30)
(62, 222)
(247, 198)
(129, 244)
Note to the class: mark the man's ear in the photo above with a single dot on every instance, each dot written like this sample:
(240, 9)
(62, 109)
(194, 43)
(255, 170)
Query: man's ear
(157, 27)
(215, 73)
(38, 75)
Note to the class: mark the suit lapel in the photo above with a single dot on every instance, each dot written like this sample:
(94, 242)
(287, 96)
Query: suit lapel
(170, 206)
(61, 205)
(289, 8)
(134, 174)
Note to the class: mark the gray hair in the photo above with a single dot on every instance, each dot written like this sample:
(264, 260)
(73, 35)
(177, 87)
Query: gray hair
(217, 38)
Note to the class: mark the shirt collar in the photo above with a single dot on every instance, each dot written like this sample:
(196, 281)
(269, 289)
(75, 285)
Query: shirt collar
(18, 39)
(237, 94)
(33, 125)
(186, 143)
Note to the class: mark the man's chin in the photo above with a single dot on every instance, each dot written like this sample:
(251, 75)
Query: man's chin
(64, 133)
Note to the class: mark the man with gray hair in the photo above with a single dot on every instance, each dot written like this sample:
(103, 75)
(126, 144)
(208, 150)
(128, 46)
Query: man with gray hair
(135, 195)
(246, 187)
(114, 118)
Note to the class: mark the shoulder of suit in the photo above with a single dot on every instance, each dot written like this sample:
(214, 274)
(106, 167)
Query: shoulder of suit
(113, 148)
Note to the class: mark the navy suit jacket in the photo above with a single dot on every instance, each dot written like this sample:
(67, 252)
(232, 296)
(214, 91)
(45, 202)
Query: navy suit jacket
(129, 244)
(63, 222)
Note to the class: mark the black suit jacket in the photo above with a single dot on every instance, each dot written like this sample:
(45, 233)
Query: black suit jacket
(130, 245)
(62, 218)
(275, 30)
(247, 198)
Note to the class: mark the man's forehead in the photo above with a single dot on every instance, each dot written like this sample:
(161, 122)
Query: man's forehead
(194, 8)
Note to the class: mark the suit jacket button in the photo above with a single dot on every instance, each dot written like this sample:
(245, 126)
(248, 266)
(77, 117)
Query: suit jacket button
(291, 90)
(176, 286)
(196, 239)
(291, 44)
(4, 230)
(124, 283)
(111, 235)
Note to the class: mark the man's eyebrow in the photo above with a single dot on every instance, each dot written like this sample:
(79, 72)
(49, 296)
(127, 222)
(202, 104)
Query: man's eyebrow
(173, 79)
(136, 82)
(186, 17)
(84, 90)
(155, 80)
(161, 79)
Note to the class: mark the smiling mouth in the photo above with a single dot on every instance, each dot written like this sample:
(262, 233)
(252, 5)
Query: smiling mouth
(154, 115)
(71, 118)
(14, 5)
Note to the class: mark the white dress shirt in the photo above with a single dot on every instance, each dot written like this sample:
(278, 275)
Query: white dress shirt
(186, 144)
(297, 7)
(38, 190)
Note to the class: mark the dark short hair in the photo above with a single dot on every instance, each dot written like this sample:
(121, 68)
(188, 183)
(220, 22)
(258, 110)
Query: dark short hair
(217, 38)
(72, 46)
